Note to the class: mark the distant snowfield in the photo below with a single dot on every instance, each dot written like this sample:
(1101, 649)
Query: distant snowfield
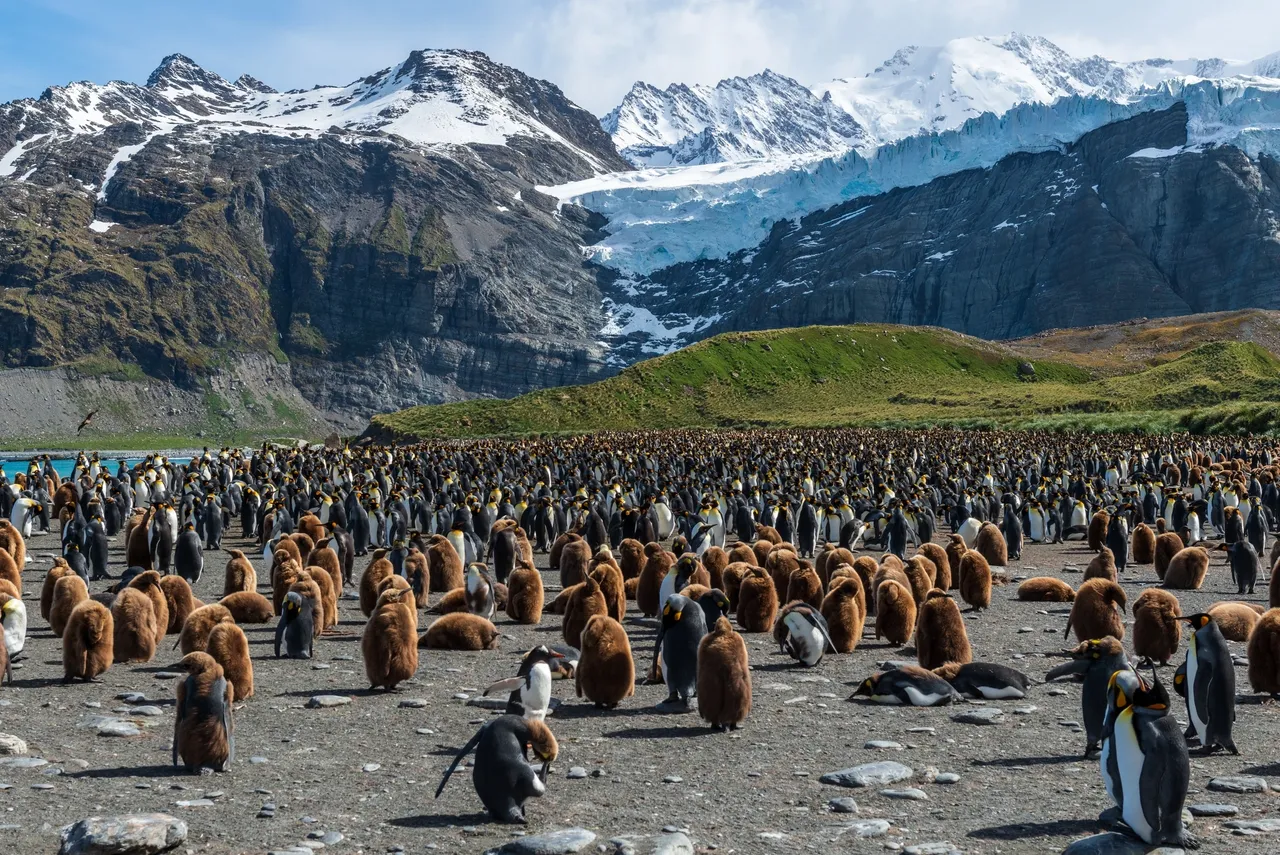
(660, 217)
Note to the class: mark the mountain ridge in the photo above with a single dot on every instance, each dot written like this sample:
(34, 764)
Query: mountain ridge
(919, 89)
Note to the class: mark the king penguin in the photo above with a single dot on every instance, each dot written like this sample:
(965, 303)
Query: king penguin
(1154, 768)
(1210, 685)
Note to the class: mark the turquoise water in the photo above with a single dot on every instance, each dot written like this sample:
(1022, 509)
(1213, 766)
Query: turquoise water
(64, 465)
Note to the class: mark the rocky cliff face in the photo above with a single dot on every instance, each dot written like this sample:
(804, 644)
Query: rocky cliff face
(1122, 224)
(182, 224)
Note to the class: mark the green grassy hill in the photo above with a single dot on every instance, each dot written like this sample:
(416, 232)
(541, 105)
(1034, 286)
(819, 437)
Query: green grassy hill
(881, 375)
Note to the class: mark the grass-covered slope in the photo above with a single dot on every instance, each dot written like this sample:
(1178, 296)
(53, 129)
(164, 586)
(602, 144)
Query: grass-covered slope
(881, 375)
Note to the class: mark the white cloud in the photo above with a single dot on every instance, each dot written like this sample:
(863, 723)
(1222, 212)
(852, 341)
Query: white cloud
(595, 49)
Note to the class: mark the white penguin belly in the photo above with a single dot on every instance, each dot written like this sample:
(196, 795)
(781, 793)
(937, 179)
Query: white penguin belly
(1103, 759)
(809, 645)
(1036, 529)
(1199, 719)
(1130, 759)
(969, 531)
(995, 693)
(15, 633)
(536, 695)
(919, 698)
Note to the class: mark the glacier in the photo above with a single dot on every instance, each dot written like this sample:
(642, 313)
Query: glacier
(661, 217)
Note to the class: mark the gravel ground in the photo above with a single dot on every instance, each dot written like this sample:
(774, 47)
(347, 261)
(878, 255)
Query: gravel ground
(368, 770)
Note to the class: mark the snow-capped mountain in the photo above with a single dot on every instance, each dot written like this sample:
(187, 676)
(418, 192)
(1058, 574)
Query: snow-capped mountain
(931, 89)
(435, 98)
(919, 90)
(385, 236)
(765, 115)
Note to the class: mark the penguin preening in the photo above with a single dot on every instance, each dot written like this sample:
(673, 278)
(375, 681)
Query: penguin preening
(804, 632)
(502, 776)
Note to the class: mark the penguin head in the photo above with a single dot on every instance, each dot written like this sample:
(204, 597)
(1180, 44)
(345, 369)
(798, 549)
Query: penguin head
(542, 741)
(1198, 621)
(866, 687)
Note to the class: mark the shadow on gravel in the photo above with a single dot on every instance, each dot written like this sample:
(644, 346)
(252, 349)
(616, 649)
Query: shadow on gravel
(40, 683)
(439, 820)
(133, 772)
(1030, 761)
(1057, 828)
(661, 732)
(1269, 770)
(589, 710)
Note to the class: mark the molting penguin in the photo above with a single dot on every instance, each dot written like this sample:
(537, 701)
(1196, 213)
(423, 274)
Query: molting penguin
(502, 776)
(1211, 684)
(203, 732)
(1095, 661)
(479, 589)
(909, 685)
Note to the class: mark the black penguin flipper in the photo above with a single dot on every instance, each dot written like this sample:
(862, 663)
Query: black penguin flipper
(1166, 774)
(1074, 668)
(815, 617)
(179, 715)
(218, 693)
(466, 749)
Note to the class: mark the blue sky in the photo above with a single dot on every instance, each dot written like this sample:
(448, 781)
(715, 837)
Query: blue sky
(593, 49)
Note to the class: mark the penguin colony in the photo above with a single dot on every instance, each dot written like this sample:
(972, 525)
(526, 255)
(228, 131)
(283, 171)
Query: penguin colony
(667, 555)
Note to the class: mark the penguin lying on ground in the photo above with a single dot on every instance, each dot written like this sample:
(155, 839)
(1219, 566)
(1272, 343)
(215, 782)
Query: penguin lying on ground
(985, 680)
(502, 776)
(909, 685)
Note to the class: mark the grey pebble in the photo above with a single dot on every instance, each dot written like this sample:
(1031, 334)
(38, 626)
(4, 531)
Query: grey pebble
(576, 773)
(413, 704)
(908, 793)
(327, 701)
(869, 775)
(1239, 784)
(370, 767)
(883, 744)
(563, 842)
(843, 805)
(946, 778)
(1214, 810)
(867, 828)
(1263, 826)
(672, 779)
(983, 715)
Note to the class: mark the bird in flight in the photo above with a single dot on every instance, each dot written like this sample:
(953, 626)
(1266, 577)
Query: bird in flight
(87, 421)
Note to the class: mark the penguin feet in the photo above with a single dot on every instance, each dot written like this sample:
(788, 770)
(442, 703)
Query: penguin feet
(1112, 818)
